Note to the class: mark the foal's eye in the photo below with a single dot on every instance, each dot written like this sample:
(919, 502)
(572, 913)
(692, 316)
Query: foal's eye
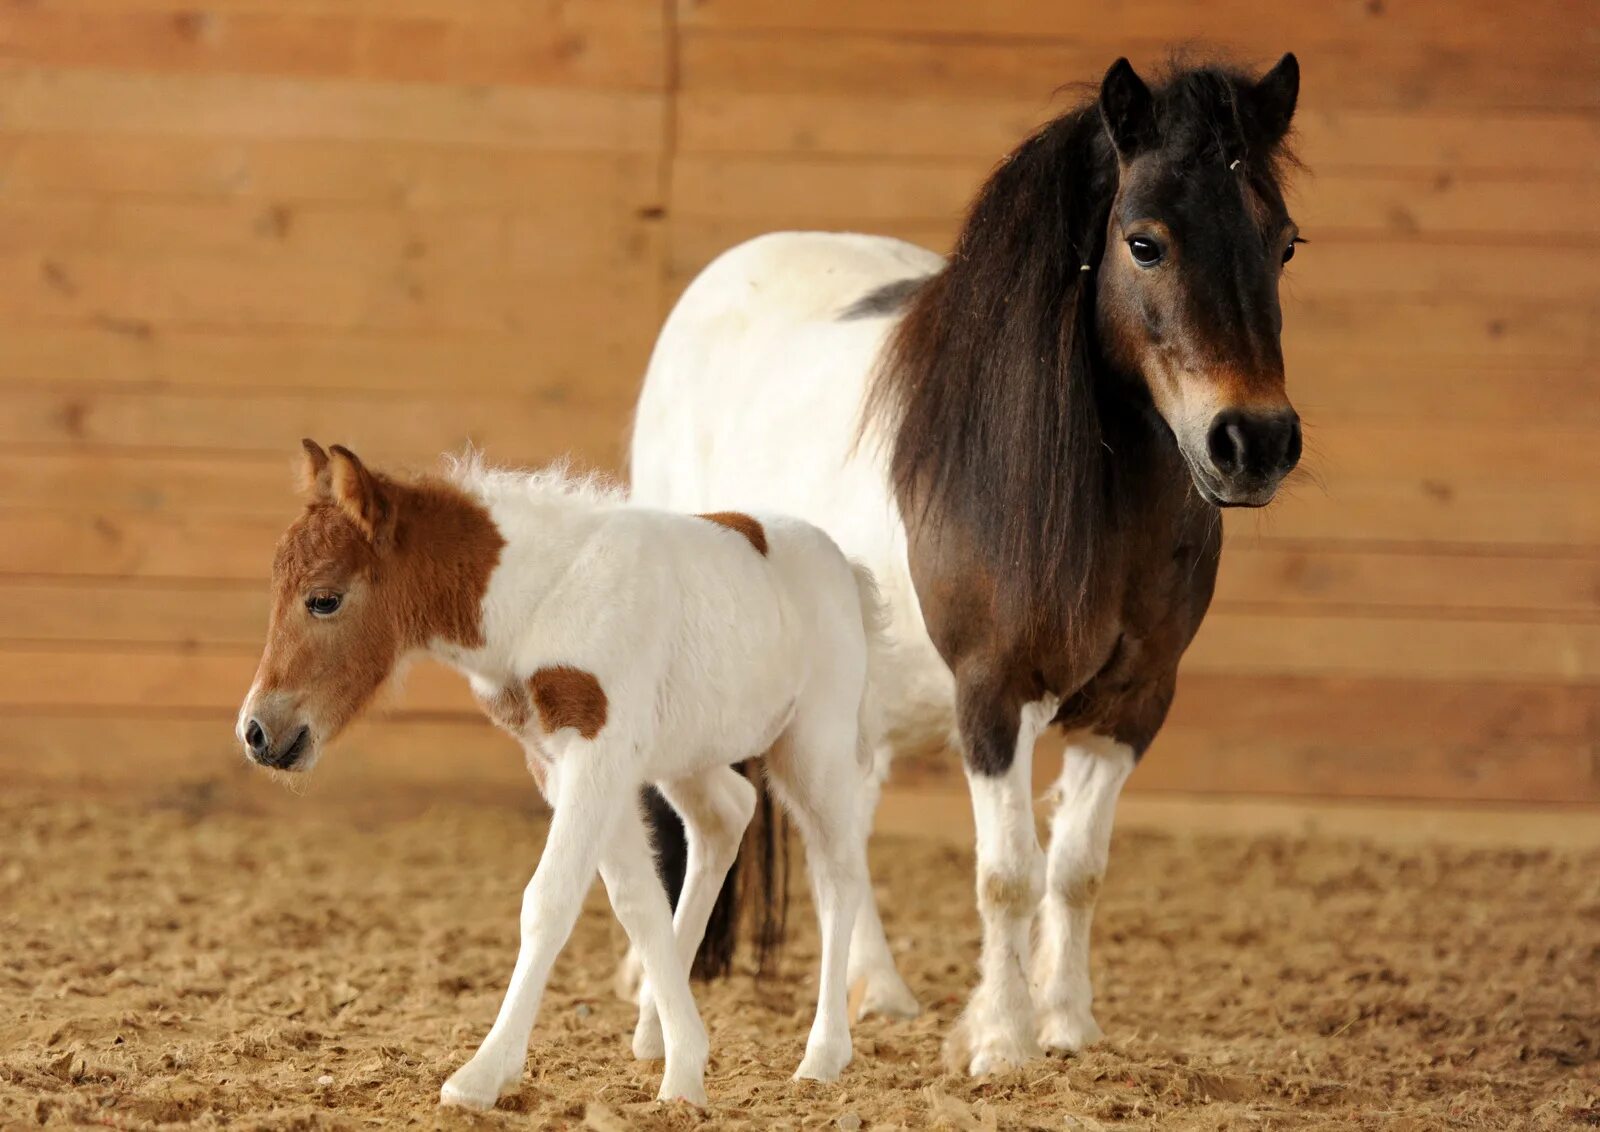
(1288, 253)
(324, 605)
(1146, 252)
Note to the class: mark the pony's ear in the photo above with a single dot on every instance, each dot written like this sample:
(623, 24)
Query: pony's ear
(1271, 101)
(360, 494)
(1127, 109)
(314, 479)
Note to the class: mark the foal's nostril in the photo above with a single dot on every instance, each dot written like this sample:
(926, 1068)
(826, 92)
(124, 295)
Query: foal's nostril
(256, 738)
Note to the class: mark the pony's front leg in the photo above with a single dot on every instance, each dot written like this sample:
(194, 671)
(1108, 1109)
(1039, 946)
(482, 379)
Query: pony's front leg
(995, 1032)
(640, 903)
(585, 812)
(1092, 773)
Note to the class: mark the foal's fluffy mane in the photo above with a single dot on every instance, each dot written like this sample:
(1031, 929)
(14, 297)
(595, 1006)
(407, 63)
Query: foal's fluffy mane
(554, 484)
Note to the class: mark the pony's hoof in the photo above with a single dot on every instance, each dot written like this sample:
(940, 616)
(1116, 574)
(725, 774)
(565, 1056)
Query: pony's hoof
(980, 1052)
(1067, 1030)
(824, 1062)
(887, 996)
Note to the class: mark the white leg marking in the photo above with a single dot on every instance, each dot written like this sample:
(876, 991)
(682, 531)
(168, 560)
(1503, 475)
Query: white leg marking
(585, 812)
(640, 904)
(995, 1032)
(815, 772)
(871, 961)
(716, 807)
(1085, 795)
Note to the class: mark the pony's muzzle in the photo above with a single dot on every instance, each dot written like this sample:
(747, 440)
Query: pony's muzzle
(1251, 451)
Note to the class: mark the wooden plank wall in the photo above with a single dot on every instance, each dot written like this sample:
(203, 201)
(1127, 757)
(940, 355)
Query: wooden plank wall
(230, 223)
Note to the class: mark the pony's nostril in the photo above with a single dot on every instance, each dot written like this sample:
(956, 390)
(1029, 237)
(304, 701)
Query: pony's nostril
(1226, 444)
(255, 738)
(1292, 456)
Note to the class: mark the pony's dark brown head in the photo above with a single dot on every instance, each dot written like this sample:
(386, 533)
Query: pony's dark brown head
(1187, 284)
(371, 570)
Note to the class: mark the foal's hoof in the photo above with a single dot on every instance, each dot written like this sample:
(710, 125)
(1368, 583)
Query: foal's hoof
(689, 1090)
(824, 1062)
(886, 995)
(649, 1044)
(1067, 1030)
(476, 1085)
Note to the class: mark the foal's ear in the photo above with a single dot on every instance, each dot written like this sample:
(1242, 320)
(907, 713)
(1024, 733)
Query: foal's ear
(1127, 109)
(360, 494)
(1271, 101)
(314, 481)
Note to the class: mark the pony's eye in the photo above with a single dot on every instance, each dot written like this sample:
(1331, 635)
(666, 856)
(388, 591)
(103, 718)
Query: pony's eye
(1146, 252)
(324, 605)
(1288, 252)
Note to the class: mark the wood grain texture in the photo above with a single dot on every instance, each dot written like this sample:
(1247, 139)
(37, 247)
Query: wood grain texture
(415, 225)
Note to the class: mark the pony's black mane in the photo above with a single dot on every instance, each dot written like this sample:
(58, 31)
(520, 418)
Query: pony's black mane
(992, 385)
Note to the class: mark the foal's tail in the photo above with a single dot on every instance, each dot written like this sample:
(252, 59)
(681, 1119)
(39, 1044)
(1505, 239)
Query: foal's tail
(760, 876)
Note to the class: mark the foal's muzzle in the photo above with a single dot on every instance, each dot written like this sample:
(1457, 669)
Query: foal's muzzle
(1250, 452)
(282, 751)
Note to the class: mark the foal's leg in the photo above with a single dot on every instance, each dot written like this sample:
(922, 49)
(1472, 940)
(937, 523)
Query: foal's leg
(586, 808)
(814, 770)
(871, 961)
(1085, 795)
(716, 807)
(995, 1032)
(641, 906)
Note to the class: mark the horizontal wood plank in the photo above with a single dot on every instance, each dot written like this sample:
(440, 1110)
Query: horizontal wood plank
(369, 172)
(219, 293)
(1484, 24)
(585, 418)
(579, 235)
(568, 43)
(1275, 643)
(142, 355)
(1378, 72)
(933, 127)
(59, 100)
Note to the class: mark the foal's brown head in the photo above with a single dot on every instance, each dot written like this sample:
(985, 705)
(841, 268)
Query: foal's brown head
(1195, 244)
(371, 570)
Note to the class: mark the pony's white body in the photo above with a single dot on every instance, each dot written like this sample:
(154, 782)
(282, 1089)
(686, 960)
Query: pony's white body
(754, 399)
(709, 649)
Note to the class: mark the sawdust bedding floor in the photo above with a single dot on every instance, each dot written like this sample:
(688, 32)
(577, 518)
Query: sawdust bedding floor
(208, 968)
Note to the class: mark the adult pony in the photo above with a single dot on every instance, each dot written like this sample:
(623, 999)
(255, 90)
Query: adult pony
(1028, 443)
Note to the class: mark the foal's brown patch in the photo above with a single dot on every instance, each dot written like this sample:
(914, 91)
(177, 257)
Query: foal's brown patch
(749, 527)
(568, 697)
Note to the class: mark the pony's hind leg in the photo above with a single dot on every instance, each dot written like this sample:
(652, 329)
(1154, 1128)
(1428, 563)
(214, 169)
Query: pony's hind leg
(716, 807)
(585, 811)
(1092, 773)
(640, 904)
(814, 770)
(872, 964)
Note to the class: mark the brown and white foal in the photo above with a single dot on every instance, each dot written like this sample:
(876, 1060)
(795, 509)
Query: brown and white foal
(622, 646)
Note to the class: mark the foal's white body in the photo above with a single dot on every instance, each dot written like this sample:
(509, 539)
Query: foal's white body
(754, 399)
(709, 652)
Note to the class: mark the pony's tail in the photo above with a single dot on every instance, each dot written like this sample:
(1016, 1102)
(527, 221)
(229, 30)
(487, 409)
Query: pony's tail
(759, 880)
